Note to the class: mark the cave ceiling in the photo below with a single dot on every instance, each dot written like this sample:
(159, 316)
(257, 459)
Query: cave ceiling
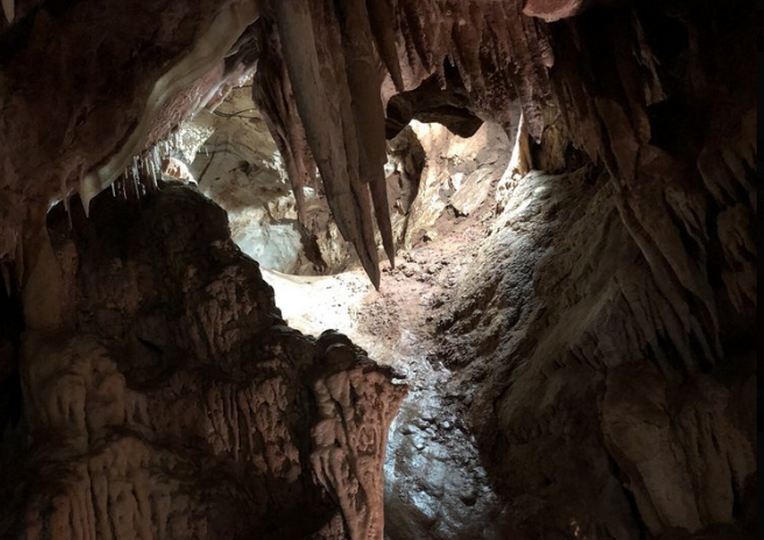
(325, 76)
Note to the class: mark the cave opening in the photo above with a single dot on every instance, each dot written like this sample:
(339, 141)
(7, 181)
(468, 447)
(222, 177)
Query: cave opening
(446, 181)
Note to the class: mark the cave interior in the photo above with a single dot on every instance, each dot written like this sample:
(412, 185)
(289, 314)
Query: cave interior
(378, 269)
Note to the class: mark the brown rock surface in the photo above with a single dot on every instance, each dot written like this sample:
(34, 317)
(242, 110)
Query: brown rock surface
(168, 398)
(74, 98)
(594, 408)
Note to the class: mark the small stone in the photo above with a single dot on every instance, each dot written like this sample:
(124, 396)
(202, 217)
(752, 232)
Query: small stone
(408, 429)
(410, 269)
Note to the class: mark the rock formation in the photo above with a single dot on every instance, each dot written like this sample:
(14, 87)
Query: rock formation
(604, 335)
(239, 166)
(580, 381)
(165, 393)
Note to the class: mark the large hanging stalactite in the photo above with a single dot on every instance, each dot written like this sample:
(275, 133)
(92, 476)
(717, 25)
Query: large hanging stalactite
(329, 126)
(336, 55)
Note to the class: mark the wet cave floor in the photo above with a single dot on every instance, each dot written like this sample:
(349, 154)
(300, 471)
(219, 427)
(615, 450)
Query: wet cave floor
(435, 485)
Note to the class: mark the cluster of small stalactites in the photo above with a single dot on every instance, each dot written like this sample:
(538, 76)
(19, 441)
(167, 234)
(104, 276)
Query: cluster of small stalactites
(147, 169)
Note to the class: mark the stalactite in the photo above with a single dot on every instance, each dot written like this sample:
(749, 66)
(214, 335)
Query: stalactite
(6, 278)
(9, 10)
(272, 93)
(326, 124)
(361, 66)
(382, 17)
(333, 53)
(210, 50)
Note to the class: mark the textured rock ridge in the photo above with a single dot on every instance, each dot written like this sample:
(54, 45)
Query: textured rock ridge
(590, 417)
(163, 388)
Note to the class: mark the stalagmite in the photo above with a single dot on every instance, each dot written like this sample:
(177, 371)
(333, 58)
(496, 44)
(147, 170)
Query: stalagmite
(230, 430)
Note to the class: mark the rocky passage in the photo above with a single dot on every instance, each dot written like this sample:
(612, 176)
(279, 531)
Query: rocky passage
(436, 486)
(549, 405)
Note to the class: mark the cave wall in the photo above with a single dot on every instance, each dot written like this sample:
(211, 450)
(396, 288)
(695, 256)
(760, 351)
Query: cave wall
(587, 414)
(612, 314)
(74, 98)
(165, 397)
(457, 178)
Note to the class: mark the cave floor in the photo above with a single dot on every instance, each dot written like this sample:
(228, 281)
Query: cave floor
(435, 485)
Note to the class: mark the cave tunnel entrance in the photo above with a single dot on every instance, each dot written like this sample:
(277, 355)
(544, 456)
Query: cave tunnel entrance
(435, 484)
(442, 180)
